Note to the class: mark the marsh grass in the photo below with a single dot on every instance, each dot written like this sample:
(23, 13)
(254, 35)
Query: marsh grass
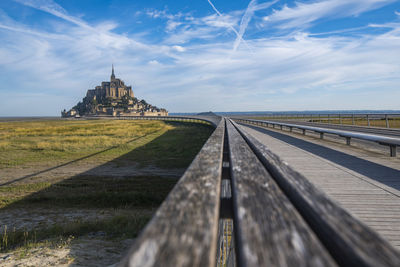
(43, 141)
(166, 144)
(174, 149)
(114, 143)
(90, 191)
(122, 226)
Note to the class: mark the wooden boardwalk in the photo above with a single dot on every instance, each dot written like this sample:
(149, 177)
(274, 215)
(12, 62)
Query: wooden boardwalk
(369, 190)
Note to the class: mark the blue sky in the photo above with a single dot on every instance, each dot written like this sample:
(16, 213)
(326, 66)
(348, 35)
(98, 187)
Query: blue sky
(192, 56)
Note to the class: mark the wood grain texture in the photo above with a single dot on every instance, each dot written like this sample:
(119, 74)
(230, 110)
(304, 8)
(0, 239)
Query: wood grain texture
(183, 231)
(349, 241)
(268, 229)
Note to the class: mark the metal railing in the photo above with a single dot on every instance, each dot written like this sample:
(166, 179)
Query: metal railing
(393, 143)
(355, 119)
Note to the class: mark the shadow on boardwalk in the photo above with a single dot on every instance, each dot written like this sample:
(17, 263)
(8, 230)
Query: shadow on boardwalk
(377, 172)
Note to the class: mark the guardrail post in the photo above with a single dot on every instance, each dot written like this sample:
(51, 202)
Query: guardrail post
(393, 150)
(387, 121)
(348, 140)
(281, 127)
(304, 131)
(321, 135)
(291, 129)
(368, 120)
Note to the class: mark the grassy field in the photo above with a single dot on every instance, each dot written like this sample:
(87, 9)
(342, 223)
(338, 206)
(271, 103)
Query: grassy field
(393, 122)
(34, 142)
(128, 200)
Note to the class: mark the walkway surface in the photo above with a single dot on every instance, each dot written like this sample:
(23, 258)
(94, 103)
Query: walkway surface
(365, 183)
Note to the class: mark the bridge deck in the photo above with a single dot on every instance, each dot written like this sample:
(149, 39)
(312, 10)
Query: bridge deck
(368, 189)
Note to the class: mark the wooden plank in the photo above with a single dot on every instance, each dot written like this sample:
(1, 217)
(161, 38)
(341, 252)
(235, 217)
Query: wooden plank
(268, 229)
(349, 241)
(183, 231)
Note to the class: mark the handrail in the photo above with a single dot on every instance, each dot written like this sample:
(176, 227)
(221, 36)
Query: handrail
(319, 114)
(328, 117)
(380, 139)
(183, 232)
(345, 127)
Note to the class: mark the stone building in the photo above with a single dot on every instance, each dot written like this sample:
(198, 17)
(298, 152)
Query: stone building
(113, 98)
(114, 89)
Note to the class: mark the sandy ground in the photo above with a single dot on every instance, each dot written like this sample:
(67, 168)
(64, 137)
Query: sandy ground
(89, 250)
(60, 171)
(85, 251)
(23, 219)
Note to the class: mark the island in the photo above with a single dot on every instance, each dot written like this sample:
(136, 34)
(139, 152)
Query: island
(113, 98)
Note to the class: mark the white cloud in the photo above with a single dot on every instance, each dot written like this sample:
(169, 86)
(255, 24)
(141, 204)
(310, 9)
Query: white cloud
(172, 25)
(303, 14)
(179, 48)
(154, 62)
(53, 8)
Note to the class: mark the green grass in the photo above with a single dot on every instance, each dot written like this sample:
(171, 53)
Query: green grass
(103, 143)
(171, 145)
(122, 226)
(44, 141)
(175, 149)
(90, 191)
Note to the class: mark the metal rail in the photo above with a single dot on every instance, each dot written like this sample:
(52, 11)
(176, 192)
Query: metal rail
(332, 117)
(393, 143)
(392, 132)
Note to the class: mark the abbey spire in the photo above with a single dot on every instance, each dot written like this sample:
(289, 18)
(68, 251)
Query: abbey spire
(112, 73)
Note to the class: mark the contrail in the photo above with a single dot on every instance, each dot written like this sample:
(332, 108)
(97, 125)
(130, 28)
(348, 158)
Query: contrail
(243, 24)
(248, 14)
(215, 9)
(233, 29)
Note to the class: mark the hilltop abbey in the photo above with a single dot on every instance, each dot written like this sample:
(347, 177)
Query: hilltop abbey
(113, 98)
(114, 89)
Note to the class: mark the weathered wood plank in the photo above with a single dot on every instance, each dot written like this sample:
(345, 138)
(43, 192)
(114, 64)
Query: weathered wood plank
(268, 229)
(183, 231)
(349, 241)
